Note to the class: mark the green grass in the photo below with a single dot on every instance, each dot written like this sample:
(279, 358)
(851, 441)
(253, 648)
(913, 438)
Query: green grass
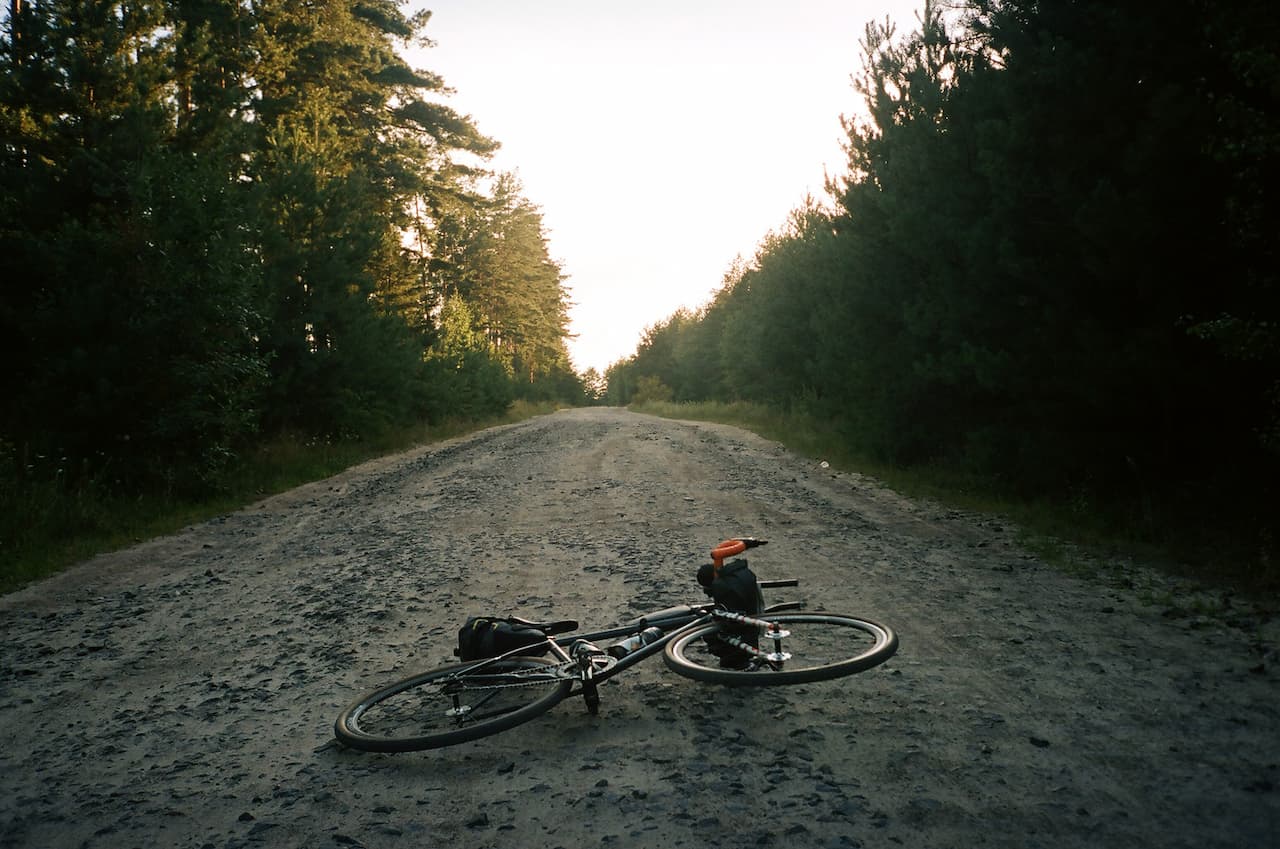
(1074, 534)
(45, 526)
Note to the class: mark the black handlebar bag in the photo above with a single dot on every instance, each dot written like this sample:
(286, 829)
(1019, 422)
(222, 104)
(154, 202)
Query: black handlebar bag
(735, 588)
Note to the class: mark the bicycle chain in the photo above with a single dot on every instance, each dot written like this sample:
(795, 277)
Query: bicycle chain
(460, 683)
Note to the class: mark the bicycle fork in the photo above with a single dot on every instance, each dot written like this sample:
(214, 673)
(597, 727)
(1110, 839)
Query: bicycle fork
(770, 631)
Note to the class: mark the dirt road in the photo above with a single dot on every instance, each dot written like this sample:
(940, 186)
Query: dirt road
(181, 693)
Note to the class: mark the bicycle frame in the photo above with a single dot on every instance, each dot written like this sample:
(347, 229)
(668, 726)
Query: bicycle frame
(670, 629)
(594, 668)
(702, 641)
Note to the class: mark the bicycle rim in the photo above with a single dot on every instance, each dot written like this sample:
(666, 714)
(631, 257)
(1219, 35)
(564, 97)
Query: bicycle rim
(452, 704)
(822, 646)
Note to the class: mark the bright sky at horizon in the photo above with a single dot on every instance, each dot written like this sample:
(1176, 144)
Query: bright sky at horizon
(660, 140)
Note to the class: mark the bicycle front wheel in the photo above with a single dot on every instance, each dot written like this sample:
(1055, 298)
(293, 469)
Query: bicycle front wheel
(819, 646)
(452, 704)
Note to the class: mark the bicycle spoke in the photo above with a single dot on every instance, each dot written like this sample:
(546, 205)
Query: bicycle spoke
(452, 704)
(795, 648)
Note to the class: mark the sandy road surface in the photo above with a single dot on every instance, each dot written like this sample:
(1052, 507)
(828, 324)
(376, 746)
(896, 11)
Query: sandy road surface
(178, 694)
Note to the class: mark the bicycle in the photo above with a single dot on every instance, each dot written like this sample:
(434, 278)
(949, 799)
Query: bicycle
(473, 699)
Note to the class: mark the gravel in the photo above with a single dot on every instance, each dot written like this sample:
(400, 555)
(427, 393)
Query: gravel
(181, 693)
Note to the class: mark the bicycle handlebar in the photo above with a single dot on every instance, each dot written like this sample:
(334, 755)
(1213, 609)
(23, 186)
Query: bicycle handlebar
(730, 547)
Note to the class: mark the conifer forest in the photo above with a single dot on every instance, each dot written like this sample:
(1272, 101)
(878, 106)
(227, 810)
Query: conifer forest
(1050, 263)
(225, 219)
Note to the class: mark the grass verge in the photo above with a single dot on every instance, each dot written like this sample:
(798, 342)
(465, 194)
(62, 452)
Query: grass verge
(46, 526)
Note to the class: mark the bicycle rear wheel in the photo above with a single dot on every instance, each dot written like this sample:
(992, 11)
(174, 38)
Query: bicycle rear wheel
(821, 646)
(452, 704)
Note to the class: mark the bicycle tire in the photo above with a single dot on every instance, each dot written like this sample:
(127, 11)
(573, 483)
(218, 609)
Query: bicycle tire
(818, 638)
(372, 723)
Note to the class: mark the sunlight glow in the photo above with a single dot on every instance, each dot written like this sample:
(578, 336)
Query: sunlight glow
(660, 140)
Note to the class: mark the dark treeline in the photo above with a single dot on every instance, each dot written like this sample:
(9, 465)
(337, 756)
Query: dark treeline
(1051, 265)
(221, 221)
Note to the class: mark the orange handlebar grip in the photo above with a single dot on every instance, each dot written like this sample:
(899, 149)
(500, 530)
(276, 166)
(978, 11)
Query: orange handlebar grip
(728, 548)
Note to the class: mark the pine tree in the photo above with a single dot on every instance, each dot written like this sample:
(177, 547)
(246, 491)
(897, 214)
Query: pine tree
(348, 145)
(129, 306)
(495, 256)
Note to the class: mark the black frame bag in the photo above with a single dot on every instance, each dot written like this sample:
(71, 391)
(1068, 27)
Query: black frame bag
(489, 636)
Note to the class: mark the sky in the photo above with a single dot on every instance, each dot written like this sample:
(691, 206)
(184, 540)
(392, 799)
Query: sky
(661, 140)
